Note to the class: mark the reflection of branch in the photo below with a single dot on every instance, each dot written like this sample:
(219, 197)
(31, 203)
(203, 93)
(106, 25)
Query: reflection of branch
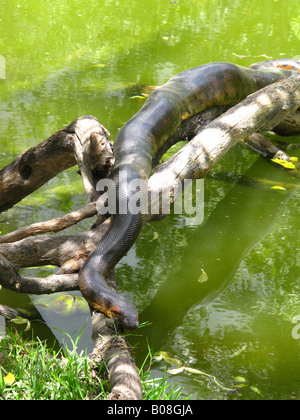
(238, 222)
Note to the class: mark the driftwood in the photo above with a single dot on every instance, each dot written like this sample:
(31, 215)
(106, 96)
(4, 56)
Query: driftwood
(211, 134)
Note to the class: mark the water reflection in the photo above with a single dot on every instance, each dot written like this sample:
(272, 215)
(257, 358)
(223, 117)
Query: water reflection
(240, 221)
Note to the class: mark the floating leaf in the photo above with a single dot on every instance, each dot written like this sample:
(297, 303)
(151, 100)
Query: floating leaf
(221, 386)
(196, 371)
(286, 164)
(238, 352)
(255, 390)
(99, 65)
(294, 158)
(199, 372)
(203, 276)
(278, 187)
(139, 97)
(240, 379)
(155, 236)
(19, 320)
(163, 355)
(175, 371)
(9, 379)
(160, 355)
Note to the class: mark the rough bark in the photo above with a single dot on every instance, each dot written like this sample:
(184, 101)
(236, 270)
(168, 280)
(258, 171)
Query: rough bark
(113, 351)
(62, 150)
(8, 313)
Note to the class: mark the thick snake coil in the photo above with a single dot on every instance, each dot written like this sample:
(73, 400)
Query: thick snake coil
(186, 94)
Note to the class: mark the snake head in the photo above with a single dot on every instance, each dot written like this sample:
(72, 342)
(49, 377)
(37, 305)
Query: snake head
(125, 313)
(93, 288)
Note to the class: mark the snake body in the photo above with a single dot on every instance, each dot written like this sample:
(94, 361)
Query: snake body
(184, 95)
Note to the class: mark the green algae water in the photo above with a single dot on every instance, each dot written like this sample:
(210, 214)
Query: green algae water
(223, 297)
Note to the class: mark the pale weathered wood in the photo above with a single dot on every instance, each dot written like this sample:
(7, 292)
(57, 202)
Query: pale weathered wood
(262, 110)
(8, 313)
(113, 351)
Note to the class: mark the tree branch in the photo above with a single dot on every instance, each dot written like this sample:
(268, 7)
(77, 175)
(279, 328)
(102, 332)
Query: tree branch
(113, 349)
(62, 150)
(262, 110)
(54, 225)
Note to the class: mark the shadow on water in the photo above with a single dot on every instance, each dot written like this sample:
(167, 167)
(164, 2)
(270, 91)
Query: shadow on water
(239, 222)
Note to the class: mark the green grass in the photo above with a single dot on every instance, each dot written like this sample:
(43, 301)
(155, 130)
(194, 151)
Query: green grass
(30, 370)
(42, 373)
(156, 388)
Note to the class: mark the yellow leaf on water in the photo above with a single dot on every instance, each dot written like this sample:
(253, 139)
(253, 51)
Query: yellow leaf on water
(197, 372)
(278, 187)
(99, 65)
(256, 390)
(19, 320)
(294, 158)
(238, 352)
(203, 276)
(175, 371)
(155, 236)
(240, 379)
(9, 379)
(163, 355)
(284, 163)
(140, 97)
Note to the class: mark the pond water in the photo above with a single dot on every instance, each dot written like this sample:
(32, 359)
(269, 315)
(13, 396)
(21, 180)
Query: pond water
(61, 60)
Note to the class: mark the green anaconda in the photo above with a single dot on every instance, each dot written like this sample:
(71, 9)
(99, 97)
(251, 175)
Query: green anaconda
(184, 95)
